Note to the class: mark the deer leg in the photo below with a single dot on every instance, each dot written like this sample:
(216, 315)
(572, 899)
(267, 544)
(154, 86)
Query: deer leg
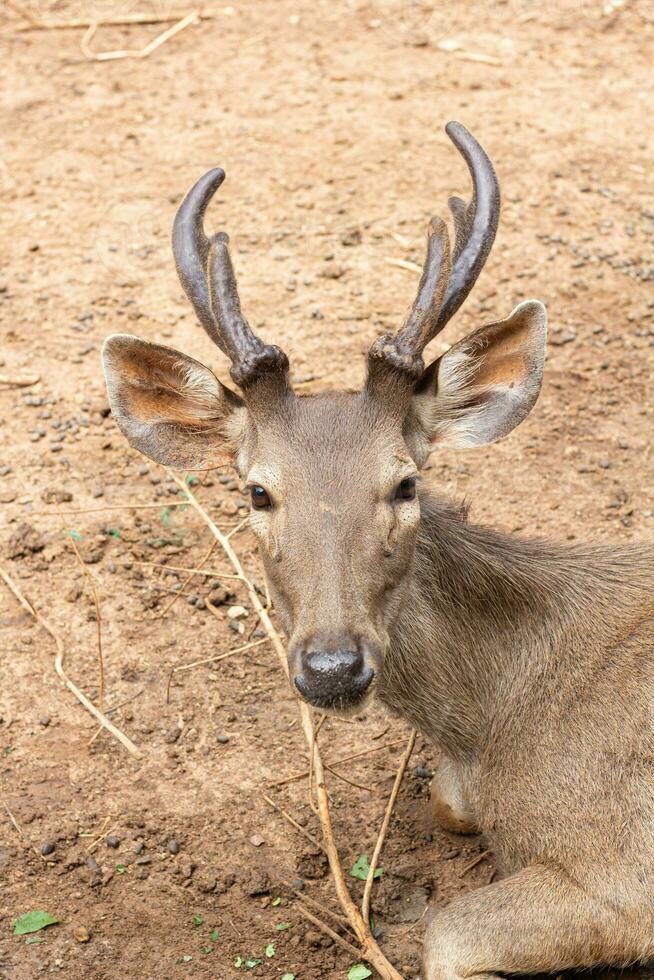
(450, 807)
(538, 920)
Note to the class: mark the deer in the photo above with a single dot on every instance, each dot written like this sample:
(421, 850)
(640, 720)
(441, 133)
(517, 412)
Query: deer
(529, 664)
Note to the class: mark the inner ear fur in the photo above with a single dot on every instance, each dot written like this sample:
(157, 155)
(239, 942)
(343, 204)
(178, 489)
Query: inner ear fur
(169, 406)
(484, 385)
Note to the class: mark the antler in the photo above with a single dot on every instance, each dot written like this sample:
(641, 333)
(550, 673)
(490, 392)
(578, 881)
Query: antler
(446, 281)
(205, 271)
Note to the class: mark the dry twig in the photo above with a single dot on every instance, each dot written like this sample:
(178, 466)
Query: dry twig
(403, 264)
(352, 950)
(294, 823)
(20, 382)
(338, 762)
(189, 578)
(342, 921)
(19, 830)
(365, 904)
(98, 616)
(110, 711)
(121, 20)
(473, 864)
(98, 510)
(210, 660)
(59, 666)
(144, 52)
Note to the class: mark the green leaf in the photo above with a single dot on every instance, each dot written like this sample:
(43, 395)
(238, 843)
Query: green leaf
(33, 940)
(75, 535)
(33, 921)
(361, 867)
(120, 869)
(238, 962)
(358, 972)
(197, 920)
(283, 925)
(270, 950)
(288, 976)
(276, 902)
(205, 950)
(251, 963)
(214, 936)
(192, 481)
(186, 958)
(114, 533)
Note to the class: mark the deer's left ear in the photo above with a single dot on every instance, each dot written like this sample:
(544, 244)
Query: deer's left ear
(484, 385)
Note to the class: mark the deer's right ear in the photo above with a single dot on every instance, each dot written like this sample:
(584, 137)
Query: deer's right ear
(169, 406)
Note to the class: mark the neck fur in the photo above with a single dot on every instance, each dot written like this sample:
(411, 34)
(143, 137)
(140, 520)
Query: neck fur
(489, 622)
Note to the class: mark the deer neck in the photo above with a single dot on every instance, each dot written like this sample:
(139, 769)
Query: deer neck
(481, 623)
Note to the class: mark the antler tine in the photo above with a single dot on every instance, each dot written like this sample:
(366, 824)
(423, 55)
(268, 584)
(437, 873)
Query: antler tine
(477, 228)
(422, 319)
(205, 271)
(250, 357)
(191, 249)
(446, 280)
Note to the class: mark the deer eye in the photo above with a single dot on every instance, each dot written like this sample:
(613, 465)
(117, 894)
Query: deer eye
(259, 497)
(406, 490)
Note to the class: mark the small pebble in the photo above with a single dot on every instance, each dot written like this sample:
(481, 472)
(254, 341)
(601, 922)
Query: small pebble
(113, 841)
(92, 865)
(47, 848)
(139, 847)
(237, 612)
(298, 884)
(423, 773)
(173, 846)
(44, 721)
(223, 739)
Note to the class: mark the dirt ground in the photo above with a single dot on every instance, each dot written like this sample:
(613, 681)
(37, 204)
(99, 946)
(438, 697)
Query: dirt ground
(328, 118)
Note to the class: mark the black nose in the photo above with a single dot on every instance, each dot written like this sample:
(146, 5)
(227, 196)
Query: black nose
(333, 678)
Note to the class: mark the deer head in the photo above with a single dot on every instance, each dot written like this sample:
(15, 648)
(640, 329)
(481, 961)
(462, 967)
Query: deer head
(333, 477)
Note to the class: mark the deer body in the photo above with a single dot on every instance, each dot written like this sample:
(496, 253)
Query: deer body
(531, 665)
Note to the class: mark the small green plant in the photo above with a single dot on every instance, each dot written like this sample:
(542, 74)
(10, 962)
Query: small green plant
(359, 972)
(361, 868)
